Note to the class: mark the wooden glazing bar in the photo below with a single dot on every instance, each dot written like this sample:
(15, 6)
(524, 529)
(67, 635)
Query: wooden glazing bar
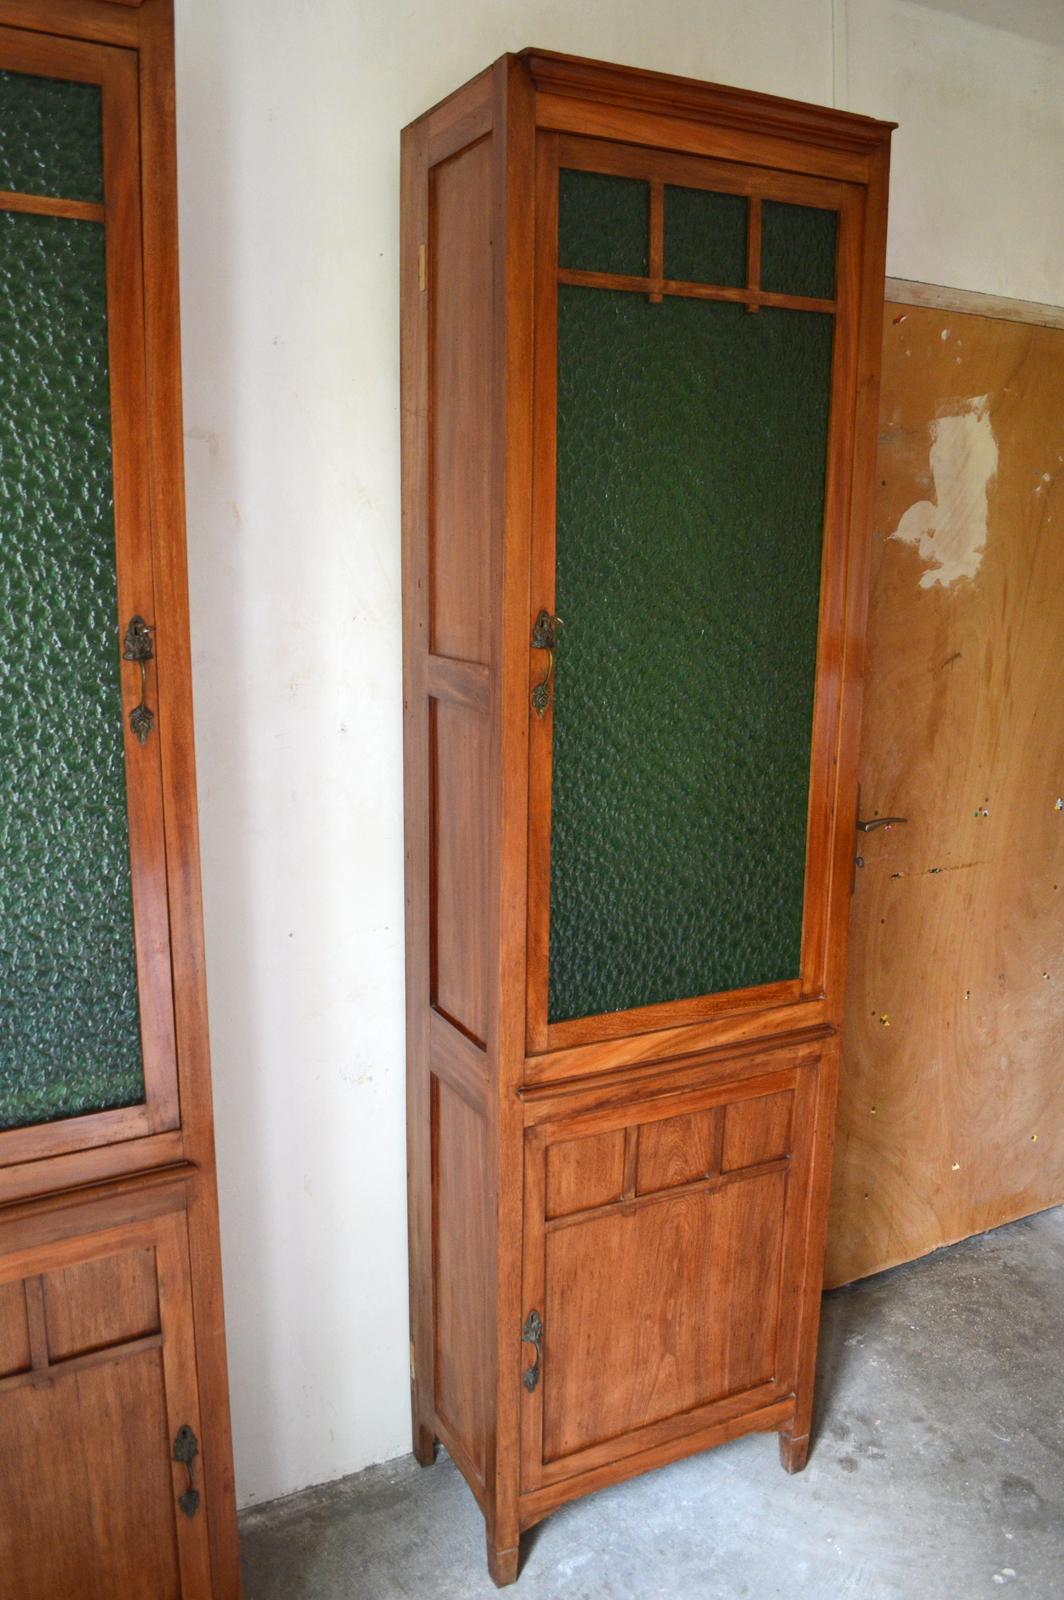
(753, 250)
(692, 291)
(45, 205)
(656, 253)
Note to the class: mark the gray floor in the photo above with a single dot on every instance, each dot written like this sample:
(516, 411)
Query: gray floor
(937, 1473)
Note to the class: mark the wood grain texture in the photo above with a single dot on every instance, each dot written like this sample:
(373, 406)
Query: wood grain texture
(95, 1418)
(526, 1142)
(950, 1121)
(103, 1302)
(112, 1161)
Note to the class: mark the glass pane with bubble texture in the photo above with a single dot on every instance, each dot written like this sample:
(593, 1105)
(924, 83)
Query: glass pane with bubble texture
(692, 443)
(69, 1027)
(51, 138)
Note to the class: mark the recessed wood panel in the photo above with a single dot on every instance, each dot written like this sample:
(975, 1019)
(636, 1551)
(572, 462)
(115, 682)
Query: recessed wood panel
(86, 1487)
(462, 1278)
(655, 1313)
(14, 1330)
(677, 1150)
(757, 1130)
(461, 831)
(100, 1303)
(462, 390)
(582, 1173)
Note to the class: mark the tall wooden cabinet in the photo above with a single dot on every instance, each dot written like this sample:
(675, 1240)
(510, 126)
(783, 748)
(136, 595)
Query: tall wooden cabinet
(641, 323)
(115, 1458)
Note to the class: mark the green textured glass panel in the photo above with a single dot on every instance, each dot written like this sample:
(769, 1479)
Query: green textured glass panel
(692, 445)
(798, 249)
(69, 1033)
(51, 137)
(603, 223)
(705, 237)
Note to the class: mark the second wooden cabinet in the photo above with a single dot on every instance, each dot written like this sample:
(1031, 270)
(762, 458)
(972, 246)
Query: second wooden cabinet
(641, 319)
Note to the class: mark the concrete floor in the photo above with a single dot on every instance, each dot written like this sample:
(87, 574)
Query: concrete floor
(937, 1473)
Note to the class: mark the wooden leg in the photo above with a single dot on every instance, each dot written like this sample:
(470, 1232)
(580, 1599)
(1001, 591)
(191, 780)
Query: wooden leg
(424, 1445)
(502, 1562)
(794, 1453)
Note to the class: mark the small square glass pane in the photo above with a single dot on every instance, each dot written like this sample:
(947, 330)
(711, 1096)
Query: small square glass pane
(798, 249)
(705, 237)
(51, 137)
(603, 223)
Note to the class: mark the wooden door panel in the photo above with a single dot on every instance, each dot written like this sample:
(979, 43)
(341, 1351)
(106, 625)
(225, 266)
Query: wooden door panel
(96, 1340)
(620, 1353)
(949, 1111)
(661, 1253)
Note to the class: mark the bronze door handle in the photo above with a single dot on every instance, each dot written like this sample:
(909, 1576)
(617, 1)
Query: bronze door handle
(544, 637)
(138, 646)
(878, 822)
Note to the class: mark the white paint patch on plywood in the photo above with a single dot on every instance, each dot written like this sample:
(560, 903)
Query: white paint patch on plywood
(951, 530)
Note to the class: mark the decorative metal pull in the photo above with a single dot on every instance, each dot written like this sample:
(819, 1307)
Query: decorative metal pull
(138, 646)
(186, 1449)
(545, 637)
(879, 822)
(532, 1333)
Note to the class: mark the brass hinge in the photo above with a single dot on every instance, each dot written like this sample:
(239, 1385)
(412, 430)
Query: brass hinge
(422, 268)
(413, 1364)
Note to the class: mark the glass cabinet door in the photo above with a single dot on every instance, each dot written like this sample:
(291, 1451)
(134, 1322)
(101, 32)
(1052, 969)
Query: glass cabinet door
(86, 1021)
(686, 537)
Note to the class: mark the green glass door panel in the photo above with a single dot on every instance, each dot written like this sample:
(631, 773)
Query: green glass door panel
(69, 1029)
(692, 441)
(51, 137)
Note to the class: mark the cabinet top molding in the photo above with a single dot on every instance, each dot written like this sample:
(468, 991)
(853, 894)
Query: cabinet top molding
(636, 89)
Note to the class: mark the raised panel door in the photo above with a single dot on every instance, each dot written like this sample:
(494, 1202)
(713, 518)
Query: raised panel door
(99, 1387)
(663, 1267)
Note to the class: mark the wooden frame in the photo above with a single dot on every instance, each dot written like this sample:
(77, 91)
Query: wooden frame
(115, 73)
(488, 1079)
(786, 998)
(114, 1159)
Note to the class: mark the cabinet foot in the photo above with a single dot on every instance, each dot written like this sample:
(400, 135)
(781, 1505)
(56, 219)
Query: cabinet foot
(424, 1445)
(502, 1562)
(794, 1453)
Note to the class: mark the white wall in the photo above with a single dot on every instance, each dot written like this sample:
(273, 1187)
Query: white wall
(289, 114)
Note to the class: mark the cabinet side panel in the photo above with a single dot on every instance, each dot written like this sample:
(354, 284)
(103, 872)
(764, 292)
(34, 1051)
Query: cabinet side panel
(459, 789)
(462, 359)
(462, 1274)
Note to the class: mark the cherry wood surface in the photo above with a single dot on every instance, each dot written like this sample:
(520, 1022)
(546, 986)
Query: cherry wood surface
(84, 1203)
(554, 1169)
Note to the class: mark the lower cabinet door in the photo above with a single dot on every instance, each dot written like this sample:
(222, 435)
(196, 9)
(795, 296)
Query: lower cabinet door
(101, 1470)
(663, 1260)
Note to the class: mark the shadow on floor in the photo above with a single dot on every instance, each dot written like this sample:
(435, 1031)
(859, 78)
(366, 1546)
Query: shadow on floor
(937, 1473)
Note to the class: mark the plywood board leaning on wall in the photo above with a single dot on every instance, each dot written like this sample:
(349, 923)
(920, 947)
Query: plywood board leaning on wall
(951, 1116)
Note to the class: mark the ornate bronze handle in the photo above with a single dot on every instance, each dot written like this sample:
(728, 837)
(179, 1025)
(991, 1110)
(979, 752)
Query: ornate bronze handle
(532, 1333)
(879, 822)
(186, 1449)
(545, 637)
(137, 646)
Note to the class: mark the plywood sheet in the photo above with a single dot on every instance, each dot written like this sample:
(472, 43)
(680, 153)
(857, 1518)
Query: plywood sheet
(951, 1114)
